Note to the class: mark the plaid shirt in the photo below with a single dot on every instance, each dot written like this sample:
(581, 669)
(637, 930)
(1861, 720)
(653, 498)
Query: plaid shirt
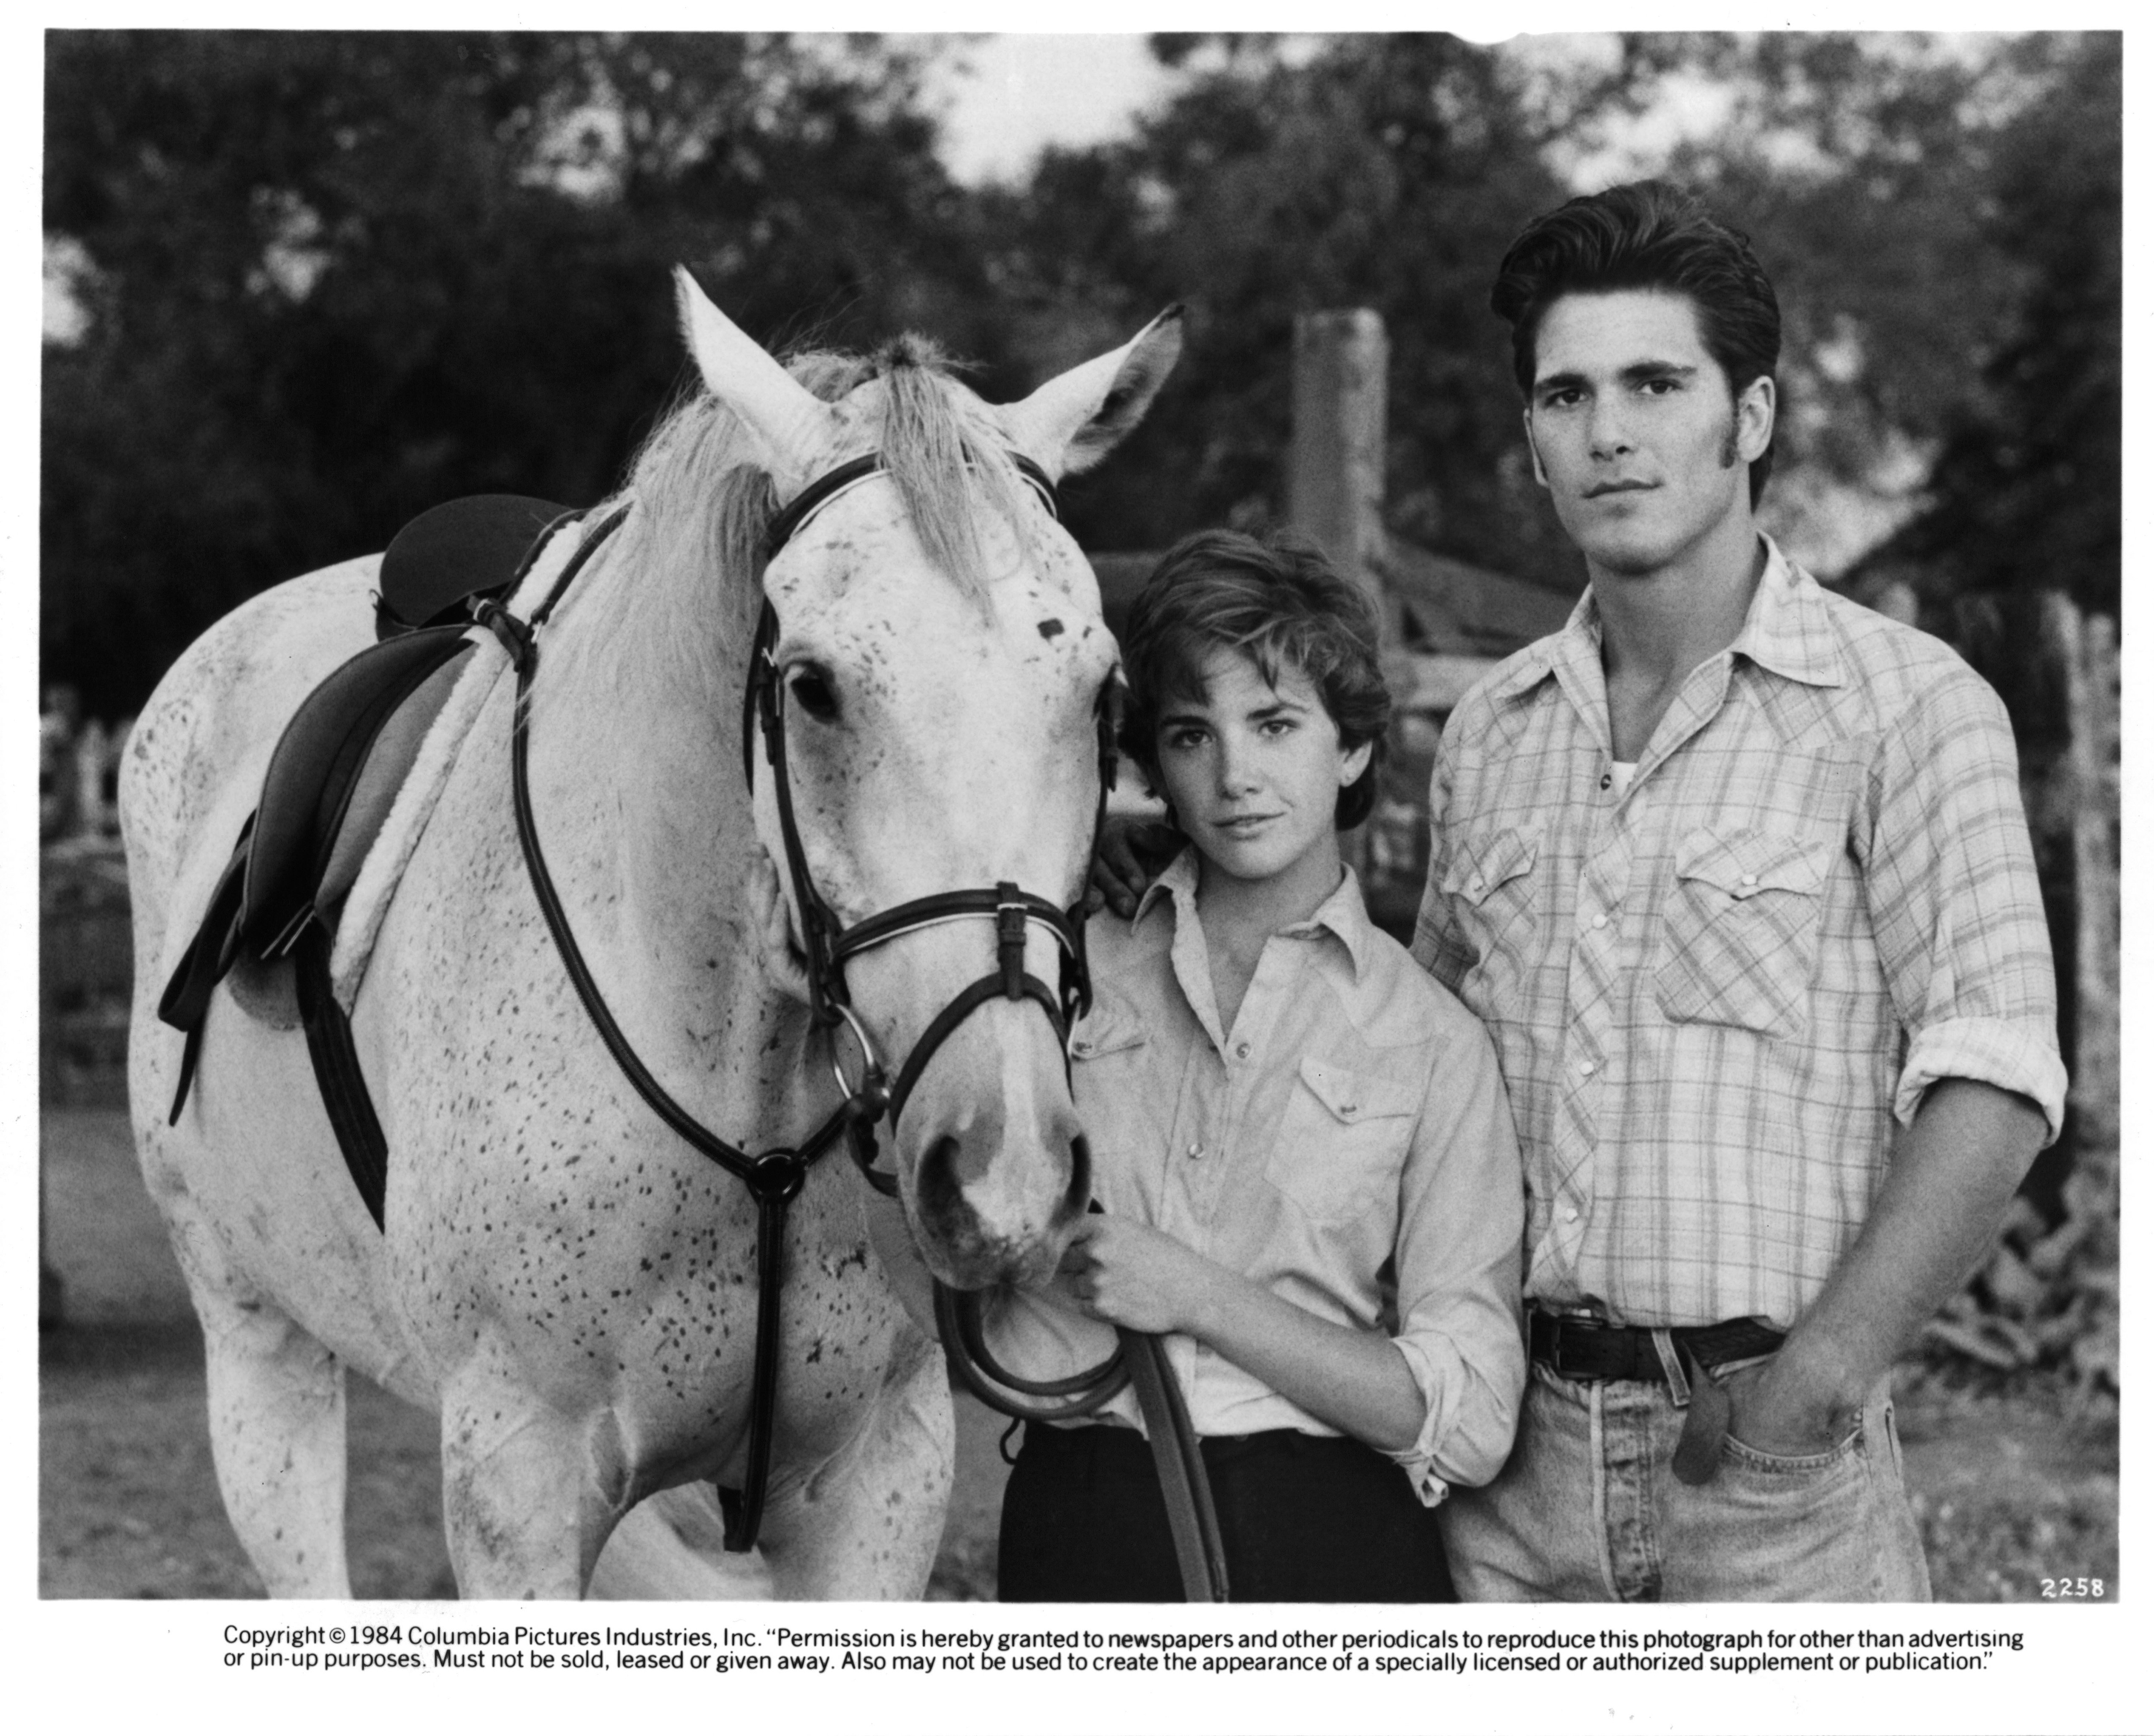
(1712, 992)
(1347, 1145)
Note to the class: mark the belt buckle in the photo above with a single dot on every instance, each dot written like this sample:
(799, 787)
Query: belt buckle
(1559, 1320)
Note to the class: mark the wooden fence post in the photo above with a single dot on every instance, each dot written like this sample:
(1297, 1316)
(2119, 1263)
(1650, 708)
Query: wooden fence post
(1334, 482)
(2091, 690)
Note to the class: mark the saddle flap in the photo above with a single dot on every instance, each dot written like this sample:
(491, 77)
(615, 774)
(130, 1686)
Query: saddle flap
(460, 549)
(316, 767)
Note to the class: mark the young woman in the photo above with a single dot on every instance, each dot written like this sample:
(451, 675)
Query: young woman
(1303, 1156)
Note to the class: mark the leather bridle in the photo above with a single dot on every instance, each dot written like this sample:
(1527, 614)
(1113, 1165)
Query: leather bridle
(826, 943)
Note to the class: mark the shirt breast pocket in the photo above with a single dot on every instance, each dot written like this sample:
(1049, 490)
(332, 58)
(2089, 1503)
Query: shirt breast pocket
(1341, 1141)
(1490, 884)
(1739, 946)
(1107, 1056)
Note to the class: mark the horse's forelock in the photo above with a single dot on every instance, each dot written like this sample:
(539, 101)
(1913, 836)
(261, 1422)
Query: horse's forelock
(701, 506)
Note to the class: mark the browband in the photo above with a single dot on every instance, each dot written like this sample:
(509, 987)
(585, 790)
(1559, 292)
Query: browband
(819, 493)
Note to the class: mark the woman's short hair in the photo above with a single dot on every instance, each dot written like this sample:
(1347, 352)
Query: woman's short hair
(1645, 235)
(1276, 600)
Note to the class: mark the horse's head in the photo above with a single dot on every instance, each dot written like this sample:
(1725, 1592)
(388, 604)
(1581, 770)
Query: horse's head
(938, 669)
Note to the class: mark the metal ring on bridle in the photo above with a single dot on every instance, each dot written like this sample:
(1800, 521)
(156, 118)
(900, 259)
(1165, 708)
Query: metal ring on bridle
(872, 1075)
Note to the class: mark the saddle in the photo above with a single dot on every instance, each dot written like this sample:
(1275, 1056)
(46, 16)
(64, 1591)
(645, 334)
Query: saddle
(330, 784)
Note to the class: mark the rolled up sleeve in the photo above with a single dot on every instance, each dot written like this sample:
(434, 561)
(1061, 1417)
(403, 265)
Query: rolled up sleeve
(1459, 1261)
(1956, 907)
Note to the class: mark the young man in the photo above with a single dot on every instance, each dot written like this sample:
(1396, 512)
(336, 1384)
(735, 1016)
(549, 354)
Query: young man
(1735, 872)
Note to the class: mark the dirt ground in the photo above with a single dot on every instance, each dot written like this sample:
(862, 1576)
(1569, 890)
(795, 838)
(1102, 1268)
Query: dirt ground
(2009, 1488)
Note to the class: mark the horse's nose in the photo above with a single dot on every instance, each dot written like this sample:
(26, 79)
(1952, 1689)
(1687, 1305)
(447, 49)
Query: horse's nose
(994, 1196)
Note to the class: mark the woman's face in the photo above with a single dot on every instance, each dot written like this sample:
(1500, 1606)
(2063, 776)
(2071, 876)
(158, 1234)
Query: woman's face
(1254, 770)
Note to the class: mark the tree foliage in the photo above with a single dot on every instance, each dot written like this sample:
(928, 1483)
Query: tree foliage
(332, 278)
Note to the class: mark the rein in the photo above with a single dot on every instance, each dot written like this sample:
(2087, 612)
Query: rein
(775, 1177)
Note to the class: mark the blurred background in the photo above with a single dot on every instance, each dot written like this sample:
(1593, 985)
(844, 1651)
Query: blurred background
(301, 286)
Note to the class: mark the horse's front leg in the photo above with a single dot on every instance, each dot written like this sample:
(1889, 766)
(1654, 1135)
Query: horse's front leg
(529, 1494)
(867, 1524)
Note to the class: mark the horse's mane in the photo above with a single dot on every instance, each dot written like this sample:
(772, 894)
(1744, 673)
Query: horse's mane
(699, 505)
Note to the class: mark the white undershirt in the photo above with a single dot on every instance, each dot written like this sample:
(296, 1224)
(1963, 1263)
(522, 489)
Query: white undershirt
(1622, 771)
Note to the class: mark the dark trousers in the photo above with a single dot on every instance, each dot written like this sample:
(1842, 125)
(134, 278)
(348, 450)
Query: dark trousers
(1305, 1519)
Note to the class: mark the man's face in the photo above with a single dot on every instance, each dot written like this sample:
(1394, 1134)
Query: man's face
(1635, 433)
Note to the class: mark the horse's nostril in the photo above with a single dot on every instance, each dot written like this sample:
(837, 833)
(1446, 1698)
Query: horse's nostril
(936, 1182)
(1078, 1193)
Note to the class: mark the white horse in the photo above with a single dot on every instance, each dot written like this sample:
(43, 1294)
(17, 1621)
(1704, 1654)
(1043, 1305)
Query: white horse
(564, 1278)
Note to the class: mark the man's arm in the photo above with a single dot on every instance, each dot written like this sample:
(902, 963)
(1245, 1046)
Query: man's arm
(1953, 1174)
(1949, 876)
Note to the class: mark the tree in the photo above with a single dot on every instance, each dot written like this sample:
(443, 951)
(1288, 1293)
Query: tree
(332, 278)
(1386, 171)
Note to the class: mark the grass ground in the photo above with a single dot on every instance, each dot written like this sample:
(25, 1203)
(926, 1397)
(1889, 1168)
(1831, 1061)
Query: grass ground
(2011, 1488)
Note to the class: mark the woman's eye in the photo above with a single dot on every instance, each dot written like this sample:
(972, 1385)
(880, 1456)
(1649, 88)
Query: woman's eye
(812, 694)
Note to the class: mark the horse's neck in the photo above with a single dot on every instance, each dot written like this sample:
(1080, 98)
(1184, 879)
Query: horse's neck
(636, 776)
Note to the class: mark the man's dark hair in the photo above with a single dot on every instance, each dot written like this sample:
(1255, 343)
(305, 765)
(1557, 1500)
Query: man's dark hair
(1647, 235)
(1276, 600)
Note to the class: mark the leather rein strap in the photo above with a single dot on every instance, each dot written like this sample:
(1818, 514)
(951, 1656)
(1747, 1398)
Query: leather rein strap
(773, 1178)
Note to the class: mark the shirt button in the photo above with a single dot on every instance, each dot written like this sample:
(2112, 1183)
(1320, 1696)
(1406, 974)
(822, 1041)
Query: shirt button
(1749, 880)
(1241, 1051)
(1196, 1150)
(1570, 1214)
(1475, 884)
(1585, 1069)
(1607, 780)
(1600, 920)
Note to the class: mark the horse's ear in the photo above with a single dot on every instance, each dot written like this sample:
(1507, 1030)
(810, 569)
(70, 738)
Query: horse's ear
(1077, 418)
(791, 427)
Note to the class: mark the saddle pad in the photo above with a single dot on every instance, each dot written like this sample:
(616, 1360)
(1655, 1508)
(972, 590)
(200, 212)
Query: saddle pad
(461, 548)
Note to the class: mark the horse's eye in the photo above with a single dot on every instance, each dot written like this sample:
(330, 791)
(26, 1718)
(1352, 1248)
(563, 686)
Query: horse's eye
(812, 692)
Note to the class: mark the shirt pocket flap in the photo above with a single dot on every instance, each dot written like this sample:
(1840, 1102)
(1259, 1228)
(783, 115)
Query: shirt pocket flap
(1742, 863)
(1484, 864)
(1112, 1026)
(1353, 1098)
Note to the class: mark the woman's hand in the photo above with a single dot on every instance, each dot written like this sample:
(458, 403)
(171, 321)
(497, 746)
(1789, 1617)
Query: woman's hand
(1128, 1275)
(1131, 851)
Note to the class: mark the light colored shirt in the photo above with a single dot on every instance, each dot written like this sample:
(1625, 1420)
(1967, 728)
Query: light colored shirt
(1347, 1145)
(1713, 991)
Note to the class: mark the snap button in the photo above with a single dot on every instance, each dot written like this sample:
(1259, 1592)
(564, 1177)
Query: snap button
(1607, 780)
(1749, 880)
(1599, 921)
(1241, 1051)
(1196, 1150)
(1570, 1214)
(1349, 1109)
(1585, 1069)
(1081, 1046)
(1475, 884)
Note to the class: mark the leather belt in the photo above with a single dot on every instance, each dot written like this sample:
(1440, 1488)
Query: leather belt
(1580, 1348)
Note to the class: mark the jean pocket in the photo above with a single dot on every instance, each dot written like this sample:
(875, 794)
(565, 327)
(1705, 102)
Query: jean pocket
(1341, 1140)
(1745, 1457)
(1739, 944)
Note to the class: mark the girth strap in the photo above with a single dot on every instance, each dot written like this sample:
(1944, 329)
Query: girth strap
(343, 1086)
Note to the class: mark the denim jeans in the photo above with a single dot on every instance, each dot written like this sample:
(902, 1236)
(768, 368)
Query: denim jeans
(1588, 1508)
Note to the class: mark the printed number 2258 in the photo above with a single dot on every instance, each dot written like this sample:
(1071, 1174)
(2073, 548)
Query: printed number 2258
(2071, 1588)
